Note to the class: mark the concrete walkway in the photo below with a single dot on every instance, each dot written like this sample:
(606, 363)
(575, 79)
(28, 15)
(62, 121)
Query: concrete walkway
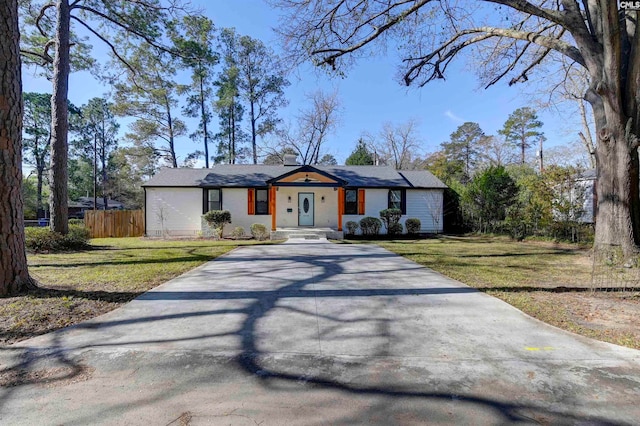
(314, 333)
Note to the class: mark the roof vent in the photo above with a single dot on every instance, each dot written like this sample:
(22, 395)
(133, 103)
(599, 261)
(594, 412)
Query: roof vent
(290, 160)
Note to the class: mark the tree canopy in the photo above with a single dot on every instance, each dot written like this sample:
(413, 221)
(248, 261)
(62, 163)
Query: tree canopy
(464, 147)
(193, 36)
(522, 129)
(509, 39)
(360, 156)
(110, 23)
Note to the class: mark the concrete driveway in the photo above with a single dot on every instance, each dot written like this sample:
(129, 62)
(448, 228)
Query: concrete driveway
(310, 332)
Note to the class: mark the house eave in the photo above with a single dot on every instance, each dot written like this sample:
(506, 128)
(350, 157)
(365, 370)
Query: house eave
(307, 169)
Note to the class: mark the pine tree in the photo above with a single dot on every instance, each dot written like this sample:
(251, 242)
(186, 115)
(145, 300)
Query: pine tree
(360, 156)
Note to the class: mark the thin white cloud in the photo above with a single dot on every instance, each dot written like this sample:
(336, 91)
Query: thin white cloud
(199, 164)
(453, 117)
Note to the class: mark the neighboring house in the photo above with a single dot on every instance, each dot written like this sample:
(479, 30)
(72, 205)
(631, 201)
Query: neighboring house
(288, 196)
(575, 199)
(587, 182)
(77, 208)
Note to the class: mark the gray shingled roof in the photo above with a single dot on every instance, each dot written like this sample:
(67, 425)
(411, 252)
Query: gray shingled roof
(589, 174)
(367, 176)
(422, 179)
(246, 175)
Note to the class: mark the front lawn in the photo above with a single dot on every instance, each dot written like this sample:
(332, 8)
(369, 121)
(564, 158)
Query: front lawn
(548, 281)
(80, 285)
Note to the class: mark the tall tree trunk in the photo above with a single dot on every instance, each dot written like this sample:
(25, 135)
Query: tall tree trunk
(60, 122)
(105, 197)
(205, 119)
(14, 275)
(541, 156)
(39, 175)
(40, 178)
(233, 132)
(95, 172)
(103, 163)
(253, 132)
(616, 184)
(172, 149)
(467, 159)
(229, 136)
(634, 176)
(613, 96)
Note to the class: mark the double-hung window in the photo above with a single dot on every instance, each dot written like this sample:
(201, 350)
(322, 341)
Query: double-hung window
(397, 200)
(354, 202)
(351, 201)
(213, 199)
(262, 201)
(258, 201)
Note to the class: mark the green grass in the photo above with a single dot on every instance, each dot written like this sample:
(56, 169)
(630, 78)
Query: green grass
(75, 286)
(548, 281)
(499, 262)
(125, 264)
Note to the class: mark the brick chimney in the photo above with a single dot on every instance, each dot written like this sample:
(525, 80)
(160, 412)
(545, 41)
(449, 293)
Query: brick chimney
(290, 160)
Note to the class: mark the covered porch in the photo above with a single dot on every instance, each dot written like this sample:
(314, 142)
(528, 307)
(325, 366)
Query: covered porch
(306, 202)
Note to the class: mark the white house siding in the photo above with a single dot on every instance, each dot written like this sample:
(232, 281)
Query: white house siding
(236, 200)
(173, 211)
(426, 205)
(375, 200)
(325, 212)
(178, 211)
(423, 204)
(589, 199)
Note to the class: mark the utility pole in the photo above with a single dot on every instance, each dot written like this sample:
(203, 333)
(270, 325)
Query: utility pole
(540, 155)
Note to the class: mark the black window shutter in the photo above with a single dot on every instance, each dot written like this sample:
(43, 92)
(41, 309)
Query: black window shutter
(205, 200)
(403, 201)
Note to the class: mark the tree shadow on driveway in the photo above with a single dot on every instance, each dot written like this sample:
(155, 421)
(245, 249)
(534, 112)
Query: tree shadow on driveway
(421, 395)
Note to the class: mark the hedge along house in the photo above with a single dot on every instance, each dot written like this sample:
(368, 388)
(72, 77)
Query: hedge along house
(289, 196)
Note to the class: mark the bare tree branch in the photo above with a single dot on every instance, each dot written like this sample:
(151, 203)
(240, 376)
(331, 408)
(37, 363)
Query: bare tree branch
(313, 126)
(335, 53)
(107, 42)
(399, 144)
(510, 67)
(128, 28)
(43, 10)
(523, 75)
(576, 25)
(589, 17)
(442, 58)
(48, 46)
(45, 57)
(445, 52)
(527, 7)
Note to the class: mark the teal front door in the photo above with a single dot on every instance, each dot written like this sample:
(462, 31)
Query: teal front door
(305, 209)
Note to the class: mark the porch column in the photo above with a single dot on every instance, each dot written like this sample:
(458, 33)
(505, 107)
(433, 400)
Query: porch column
(272, 207)
(340, 207)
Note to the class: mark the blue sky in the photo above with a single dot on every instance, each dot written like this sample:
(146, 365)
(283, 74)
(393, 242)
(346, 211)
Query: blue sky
(370, 95)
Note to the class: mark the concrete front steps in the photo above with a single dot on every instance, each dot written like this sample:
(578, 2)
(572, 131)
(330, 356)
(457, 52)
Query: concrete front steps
(306, 233)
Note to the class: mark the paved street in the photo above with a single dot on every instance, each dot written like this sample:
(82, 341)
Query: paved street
(315, 333)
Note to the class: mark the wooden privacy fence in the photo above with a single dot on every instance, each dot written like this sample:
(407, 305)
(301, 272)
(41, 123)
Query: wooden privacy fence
(114, 223)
